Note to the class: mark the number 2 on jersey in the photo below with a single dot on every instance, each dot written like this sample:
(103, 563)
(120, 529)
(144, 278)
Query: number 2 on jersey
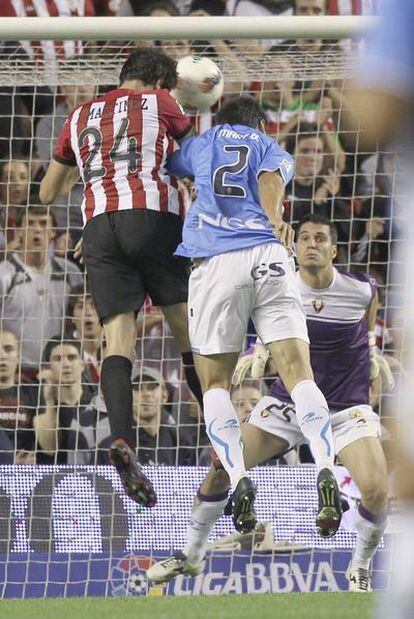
(220, 177)
(132, 154)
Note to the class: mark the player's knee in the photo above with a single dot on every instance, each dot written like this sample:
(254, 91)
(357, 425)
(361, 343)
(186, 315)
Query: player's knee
(374, 492)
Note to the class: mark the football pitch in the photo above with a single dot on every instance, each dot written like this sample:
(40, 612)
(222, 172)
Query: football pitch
(283, 606)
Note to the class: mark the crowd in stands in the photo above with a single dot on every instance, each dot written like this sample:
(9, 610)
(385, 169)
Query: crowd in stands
(51, 343)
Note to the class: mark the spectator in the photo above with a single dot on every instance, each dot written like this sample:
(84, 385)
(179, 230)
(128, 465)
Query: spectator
(15, 183)
(35, 286)
(14, 192)
(64, 398)
(18, 402)
(258, 7)
(159, 439)
(83, 324)
(311, 188)
(46, 50)
(245, 397)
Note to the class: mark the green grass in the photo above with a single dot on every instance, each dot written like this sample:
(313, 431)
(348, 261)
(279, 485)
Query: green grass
(277, 606)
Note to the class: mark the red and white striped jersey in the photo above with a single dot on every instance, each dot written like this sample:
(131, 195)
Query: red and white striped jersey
(120, 142)
(353, 7)
(56, 50)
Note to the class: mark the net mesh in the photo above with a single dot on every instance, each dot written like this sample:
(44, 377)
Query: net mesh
(301, 85)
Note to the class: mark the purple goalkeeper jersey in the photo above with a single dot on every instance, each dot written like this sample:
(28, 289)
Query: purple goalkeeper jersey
(338, 336)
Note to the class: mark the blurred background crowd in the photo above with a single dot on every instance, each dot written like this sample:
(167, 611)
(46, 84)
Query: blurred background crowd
(51, 342)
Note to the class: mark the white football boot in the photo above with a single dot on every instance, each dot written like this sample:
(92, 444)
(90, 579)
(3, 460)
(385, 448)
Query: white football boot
(178, 564)
(359, 579)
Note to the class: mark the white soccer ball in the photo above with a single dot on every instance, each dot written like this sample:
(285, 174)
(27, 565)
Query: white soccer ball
(137, 583)
(200, 83)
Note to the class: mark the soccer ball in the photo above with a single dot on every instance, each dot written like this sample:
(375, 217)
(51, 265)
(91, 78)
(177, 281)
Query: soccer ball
(137, 584)
(200, 83)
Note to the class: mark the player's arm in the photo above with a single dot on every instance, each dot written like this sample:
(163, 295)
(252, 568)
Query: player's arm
(274, 173)
(179, 162)
(379, 366)
(271, 193)
(58, 180)
(371, 313)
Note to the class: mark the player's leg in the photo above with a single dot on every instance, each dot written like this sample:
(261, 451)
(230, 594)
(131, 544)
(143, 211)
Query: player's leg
(165, 278)
(210, 502)
(117, 293)
(365, 461)
(223, 430)
(293, 365)
(120, 336)
(281, 324)
(177, 317)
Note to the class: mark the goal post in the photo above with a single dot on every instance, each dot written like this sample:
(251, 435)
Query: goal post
(117, 28)
(68, 528)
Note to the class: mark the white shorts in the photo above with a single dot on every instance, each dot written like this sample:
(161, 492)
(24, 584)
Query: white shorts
(225, 290)
(279, 418)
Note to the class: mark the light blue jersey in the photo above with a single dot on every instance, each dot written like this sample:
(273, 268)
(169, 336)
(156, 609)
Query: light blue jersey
(225, 163)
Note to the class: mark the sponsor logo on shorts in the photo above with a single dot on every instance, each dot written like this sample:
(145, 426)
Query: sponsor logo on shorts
(356, 414)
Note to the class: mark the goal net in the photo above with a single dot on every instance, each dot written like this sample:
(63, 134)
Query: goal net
(66, 527)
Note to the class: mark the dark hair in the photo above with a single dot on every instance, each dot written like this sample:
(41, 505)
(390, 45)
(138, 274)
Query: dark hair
(149, 66)
(314, 218)
(241, 111)
(56, 340)
(34, 209)
(163, 5)
(304, 131)
(212, 7)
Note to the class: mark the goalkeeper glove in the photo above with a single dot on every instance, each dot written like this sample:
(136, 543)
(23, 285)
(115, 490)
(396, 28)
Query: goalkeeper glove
(255, 361)
(379, 365)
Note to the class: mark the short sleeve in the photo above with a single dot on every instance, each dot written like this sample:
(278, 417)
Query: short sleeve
(179, 163)
(277, 159)
(63, 151)
(178, 125)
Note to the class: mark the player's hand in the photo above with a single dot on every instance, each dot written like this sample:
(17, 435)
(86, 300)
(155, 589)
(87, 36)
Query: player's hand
(285, 234)
(255, 362)
(379, 365)
(77, 252)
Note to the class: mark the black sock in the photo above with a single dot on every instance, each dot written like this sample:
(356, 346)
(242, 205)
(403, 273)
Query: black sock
(117, 392)
(191, 377)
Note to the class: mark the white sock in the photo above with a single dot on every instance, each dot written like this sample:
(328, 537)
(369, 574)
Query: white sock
(370, 529)
(313, 417)
(204, 516)
(223, 429)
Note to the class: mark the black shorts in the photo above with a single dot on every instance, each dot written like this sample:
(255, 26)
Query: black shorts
(129, 254)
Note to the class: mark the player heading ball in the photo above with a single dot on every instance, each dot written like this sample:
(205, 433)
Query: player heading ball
(240, 248)
(118, 143)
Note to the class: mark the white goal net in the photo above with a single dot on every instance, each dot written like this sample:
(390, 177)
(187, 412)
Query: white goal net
(66, 527)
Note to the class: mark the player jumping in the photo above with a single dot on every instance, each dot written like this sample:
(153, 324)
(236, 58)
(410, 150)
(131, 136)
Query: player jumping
(132, 209)
(340, 310)
(236, 237)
